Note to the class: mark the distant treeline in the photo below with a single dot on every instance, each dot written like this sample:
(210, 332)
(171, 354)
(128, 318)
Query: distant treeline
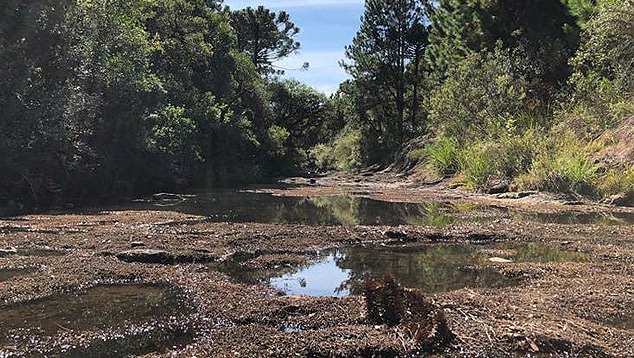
(125, 97)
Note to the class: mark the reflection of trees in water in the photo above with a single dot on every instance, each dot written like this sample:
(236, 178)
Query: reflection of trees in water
(345, 209)
(536, 252)
(350, 210)
(432, 214)
(237, 206)
(434, 269)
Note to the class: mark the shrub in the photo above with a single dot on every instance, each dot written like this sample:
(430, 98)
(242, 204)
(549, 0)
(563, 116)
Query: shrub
(564, 165)
(443, 155)
(481, 97)
(502, 159)
(343, 154)
(278, 137)
(476, 165)
(616, 181)
(609, 48)
(387, 302)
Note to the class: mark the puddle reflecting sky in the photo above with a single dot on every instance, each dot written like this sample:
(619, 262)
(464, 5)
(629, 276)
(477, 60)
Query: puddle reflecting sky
(341, 272)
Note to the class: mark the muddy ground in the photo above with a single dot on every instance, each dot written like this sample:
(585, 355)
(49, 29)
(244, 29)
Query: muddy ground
(558, 309)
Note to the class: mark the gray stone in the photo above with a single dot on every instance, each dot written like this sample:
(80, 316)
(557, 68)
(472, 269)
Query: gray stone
(623, 199)
(516, 195)
(497, 186)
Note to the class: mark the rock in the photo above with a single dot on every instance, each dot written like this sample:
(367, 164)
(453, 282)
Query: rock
(500, 260)
(8, 251)
(517, 195)
(167, 196)
(497, 186)
(136, 244)
(623, 199)
(147, 256)
(399, 235)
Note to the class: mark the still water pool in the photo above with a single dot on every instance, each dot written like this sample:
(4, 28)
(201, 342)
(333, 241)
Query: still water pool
(252, 206)
(344, 271)
(355, 208)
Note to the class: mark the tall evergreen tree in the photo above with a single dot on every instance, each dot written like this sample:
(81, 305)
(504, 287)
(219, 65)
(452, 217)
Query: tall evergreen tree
(265, 36)
(543, 30)
(384, 62)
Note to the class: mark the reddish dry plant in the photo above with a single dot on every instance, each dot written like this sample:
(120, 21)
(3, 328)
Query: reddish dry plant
(423, 324)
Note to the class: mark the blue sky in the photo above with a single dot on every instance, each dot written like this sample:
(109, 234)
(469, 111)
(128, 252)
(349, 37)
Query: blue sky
(327, 27)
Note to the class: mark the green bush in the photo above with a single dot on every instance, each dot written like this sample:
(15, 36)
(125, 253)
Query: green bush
(443, 155)
(476, 165)
(564, 165)
(502, 159)
(481, 97)
(343, 154)
(609, 46)
(616, 181)
(278, 137)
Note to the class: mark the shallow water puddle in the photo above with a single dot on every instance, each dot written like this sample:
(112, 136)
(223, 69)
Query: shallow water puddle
(97, 309)
(251, 206)
(623, 322)
(579, 218)
(537, 252)
(342, 272)
(354, 208)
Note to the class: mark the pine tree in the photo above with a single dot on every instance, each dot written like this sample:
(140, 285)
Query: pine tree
(542, 30)
(385, 60)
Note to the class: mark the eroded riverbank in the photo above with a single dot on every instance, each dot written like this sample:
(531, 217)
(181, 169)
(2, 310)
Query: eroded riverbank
(571, 295)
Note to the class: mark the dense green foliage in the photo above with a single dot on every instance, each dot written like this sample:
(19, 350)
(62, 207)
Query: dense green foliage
(123, 97)
(533, 93)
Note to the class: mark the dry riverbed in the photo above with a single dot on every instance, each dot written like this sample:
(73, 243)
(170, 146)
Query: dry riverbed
(151, 283)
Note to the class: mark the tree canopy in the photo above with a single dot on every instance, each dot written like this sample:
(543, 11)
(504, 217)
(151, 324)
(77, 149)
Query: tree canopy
(265, 36)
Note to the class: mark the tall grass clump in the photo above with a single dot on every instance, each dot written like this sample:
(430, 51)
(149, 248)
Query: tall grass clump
(564, 164)
(617, 181)
(502, 158)
(477, 166)
(443, 155)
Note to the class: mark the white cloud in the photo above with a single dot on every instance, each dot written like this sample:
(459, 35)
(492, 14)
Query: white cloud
(238, 4)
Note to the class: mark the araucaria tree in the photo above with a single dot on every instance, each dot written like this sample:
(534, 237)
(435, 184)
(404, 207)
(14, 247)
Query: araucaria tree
(385, 62)
(265, 36)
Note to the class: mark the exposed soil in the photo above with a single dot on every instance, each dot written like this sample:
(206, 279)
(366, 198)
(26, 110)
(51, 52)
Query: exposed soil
(560, 309)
